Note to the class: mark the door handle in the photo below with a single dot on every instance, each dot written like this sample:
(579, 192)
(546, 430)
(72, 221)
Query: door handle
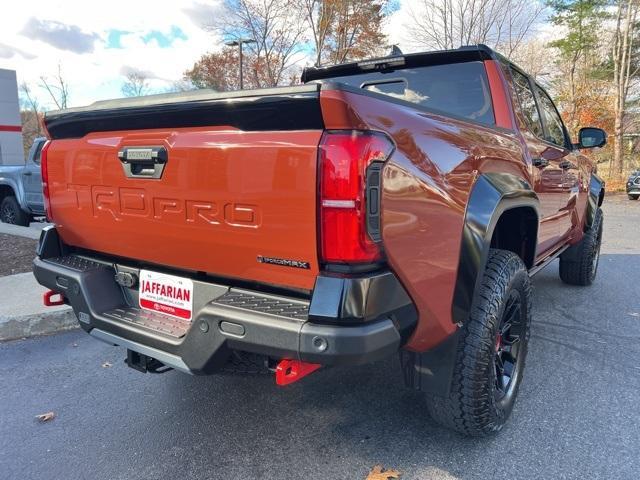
(143, 162)
(540, 162)
(27, 174)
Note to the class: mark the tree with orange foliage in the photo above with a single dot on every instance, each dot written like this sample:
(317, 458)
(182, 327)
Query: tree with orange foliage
(278, 31)
(345, 30)
(217, 71)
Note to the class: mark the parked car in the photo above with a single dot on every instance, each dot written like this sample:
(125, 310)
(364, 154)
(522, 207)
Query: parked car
(394, 205)
(633, 185)
(21, 196)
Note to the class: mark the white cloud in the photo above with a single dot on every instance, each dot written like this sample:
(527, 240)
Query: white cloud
(98, 75)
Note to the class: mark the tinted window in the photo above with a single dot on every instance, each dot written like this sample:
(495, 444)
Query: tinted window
(553, 122)
(459, 89)
(527, 103)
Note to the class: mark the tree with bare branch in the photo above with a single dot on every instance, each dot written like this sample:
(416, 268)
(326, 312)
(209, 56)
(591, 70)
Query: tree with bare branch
(345, 29)
(278, 29)
(135, 85)
(30, 113)
(625, 69)
(320, 16)
(447, 24)
(57, 88)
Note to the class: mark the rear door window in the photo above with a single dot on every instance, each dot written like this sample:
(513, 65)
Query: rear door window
(527, 103)
(457, 89)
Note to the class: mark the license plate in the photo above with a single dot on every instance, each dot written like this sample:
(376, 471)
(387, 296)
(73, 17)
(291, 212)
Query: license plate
(166, 294)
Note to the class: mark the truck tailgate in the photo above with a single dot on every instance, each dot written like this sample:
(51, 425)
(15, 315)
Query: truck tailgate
(228, 201)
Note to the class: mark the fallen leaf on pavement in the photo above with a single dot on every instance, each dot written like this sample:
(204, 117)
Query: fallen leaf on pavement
(379, 473)
(106, 365)
(45, 417)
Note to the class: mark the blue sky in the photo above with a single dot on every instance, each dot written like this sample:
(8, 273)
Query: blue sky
(163, 39)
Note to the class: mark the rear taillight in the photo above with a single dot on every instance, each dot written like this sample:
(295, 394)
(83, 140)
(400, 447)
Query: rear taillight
(348, 201)
(44, 167)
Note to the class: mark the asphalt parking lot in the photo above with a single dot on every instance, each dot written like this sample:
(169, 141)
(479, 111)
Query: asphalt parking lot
(577, 415)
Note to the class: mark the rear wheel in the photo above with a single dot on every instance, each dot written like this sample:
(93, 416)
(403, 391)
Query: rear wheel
(10, 212)
(579, 264)
(633, 196)
(491, 351)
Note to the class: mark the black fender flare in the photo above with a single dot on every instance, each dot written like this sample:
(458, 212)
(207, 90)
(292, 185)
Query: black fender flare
(595, 199)
(492, 195)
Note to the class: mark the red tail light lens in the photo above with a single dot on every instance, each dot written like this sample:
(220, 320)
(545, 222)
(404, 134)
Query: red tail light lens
(44, 168)
(344, 159)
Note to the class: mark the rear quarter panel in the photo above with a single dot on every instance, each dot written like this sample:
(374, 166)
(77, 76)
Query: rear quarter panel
(426, 185)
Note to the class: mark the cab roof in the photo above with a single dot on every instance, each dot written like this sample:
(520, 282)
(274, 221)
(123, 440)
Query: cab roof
(411, 60)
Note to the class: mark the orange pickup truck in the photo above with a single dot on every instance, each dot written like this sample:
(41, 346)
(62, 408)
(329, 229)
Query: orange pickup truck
(397, 205)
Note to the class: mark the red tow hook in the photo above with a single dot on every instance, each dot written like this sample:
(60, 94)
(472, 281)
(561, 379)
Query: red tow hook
(290, 371)
(48, 302)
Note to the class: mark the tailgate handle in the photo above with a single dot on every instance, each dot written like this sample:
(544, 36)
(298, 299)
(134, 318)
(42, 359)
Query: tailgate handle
(143, 162)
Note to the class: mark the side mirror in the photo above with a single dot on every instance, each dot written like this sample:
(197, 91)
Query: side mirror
(591, 137)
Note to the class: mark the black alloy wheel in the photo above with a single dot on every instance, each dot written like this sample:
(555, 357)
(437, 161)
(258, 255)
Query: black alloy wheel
(507, 348)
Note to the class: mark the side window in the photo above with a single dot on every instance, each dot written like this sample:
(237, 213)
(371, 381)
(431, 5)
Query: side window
(527, 103)
(555, 127)
(38, 153)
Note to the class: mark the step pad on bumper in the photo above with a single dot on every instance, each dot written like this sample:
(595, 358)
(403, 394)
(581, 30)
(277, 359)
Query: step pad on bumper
(75, 262)
(157, 322)
(264, 304)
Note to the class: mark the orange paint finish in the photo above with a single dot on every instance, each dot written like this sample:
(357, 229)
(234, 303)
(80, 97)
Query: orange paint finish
(426, 184)
(500, 97)
(242, 195)
(563, 192)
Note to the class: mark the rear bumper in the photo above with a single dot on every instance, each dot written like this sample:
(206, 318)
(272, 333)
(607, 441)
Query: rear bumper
(347, 320)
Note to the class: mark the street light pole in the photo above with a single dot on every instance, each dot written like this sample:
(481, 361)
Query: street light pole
(238, 43)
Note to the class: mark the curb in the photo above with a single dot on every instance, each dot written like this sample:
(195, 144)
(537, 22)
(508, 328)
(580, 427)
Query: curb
(27, 232)
(13, 328)
(42, 321)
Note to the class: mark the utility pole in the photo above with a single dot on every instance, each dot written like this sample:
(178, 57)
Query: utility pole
(238, 43)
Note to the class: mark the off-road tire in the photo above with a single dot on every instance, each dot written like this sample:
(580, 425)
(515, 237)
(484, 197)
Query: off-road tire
(579, 264)
(633, 197)
(10, 212)
(472, 407)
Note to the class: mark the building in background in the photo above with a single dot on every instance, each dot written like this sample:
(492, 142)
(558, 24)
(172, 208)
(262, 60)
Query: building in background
(11, 150)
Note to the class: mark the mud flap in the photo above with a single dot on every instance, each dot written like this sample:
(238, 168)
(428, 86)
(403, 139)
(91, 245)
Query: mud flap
(431, 371)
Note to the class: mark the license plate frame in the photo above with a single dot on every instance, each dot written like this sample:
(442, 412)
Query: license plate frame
(170, 295)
